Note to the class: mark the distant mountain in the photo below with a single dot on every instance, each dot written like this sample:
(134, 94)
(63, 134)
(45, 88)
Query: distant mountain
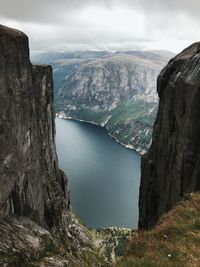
(159, 55)
(56, 56)
(115, 90)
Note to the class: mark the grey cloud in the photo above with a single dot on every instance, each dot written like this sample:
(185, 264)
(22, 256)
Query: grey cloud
(45, 10)
(61, 24)
(48, 10)
(77, 37)
(173, 6)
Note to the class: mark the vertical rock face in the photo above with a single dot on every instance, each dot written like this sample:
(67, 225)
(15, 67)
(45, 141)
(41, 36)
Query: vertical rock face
(36, 225)
(116, 92)
(171, 167)
(31, 183)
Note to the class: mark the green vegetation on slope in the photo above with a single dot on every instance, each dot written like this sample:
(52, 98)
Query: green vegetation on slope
(111, 242)
(130, 123)
(24, 244)
(175, 242)
(115, 90)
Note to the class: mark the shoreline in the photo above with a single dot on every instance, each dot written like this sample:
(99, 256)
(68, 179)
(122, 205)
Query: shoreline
(130, 147)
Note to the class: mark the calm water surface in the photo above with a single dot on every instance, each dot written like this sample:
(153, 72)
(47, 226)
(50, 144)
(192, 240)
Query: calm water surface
(103, 175)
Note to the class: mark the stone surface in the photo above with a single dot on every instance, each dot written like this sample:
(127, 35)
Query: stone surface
(117, 92)
(31, 183)
(171, 167)
(35, 217)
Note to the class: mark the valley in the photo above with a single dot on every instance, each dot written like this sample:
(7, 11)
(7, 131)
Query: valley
(114, 90)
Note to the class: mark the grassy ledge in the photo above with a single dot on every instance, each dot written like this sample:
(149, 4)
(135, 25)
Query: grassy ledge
(175, 241)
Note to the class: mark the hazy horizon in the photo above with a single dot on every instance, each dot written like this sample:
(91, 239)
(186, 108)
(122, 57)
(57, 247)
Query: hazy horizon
(95, 50)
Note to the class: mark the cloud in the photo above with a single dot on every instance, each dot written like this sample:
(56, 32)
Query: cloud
(48, 10)
(104, 24)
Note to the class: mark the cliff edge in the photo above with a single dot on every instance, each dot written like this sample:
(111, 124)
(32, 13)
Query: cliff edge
(35, 218)
(29, 175)
(171, 167)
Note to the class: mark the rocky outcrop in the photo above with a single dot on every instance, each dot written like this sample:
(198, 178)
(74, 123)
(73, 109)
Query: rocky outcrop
(103, 83)
(31, 183)
(34, 197)
(171, 167)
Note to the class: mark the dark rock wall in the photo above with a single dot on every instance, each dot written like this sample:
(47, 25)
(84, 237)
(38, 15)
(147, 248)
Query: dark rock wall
(37, 227)
(31, 183)
(171, 167)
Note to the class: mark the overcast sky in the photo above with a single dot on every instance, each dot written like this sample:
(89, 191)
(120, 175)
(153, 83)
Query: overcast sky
(58, 25)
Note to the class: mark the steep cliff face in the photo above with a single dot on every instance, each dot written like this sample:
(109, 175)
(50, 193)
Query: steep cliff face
(171, 167)
(35, 218)
(30, 179)
(103, 83)
(115, 90)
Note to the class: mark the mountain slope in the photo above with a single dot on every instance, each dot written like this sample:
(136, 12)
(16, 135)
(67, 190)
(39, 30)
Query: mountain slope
(173, 243)
(115, 90)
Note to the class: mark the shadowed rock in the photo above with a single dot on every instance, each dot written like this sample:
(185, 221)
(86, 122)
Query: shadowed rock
(35, 219)
(31, 183)
(171, 167)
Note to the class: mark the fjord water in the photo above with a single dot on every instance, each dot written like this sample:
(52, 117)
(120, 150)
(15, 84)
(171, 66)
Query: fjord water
(103, 175)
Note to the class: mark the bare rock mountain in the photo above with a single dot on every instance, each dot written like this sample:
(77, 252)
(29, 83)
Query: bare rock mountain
(115, 90)
(35, 218)
(171, 167)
